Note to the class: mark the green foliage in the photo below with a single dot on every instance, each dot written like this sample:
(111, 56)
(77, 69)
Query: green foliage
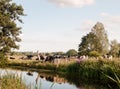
(115, 78)
(95, 69)
(96, 40)
(101, 34)
(115, 47)
(89, 43)
(11, 81)
(71, 52)
(9, 32)
(94, 54)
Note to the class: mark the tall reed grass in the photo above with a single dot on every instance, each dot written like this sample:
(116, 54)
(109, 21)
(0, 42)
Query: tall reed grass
(95, 69)
(11, 81)
(115, 79)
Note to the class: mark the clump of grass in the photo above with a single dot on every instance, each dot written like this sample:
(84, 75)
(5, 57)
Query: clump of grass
(115, 79)
(11, 81)
(94, 69)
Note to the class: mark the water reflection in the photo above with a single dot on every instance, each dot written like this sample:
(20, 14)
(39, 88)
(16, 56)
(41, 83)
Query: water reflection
(51, 78)
(67, 82)
(83, 83)
(44, 80)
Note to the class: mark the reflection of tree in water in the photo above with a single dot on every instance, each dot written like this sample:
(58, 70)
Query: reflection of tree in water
(83, 83)
(51, 78)
(80, 83)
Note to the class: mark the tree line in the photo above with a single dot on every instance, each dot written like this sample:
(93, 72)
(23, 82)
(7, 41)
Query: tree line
(96, 43)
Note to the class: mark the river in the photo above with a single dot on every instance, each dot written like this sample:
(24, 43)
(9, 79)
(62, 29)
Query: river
(47, 80)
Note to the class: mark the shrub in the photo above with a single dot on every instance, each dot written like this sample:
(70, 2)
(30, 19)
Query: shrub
(94, 54)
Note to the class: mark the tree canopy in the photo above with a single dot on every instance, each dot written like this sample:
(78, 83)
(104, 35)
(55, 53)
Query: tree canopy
(114, 48)
(101, 34)
(96, 40)
(10, 14)
(71, 52)
(89, 43)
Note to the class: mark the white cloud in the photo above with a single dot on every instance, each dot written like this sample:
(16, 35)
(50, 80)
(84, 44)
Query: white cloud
(72, 3)
(86, 25)
(111, 18)
(110, 22)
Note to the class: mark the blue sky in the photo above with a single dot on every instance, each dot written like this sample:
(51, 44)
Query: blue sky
(58, 25)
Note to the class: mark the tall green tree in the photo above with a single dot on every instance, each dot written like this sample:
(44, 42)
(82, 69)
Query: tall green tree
(88, 43)
(95, 41)
(115, 48)
(101, 34)
(10, 14)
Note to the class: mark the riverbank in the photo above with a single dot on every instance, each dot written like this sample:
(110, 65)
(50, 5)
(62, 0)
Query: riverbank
(102, 71)
(91, 69)
(37, 65)
(12, 81)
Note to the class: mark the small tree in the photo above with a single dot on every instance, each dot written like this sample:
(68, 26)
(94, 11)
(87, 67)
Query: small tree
(71, 52)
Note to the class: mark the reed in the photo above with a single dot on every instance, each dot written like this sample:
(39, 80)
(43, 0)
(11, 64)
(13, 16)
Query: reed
(95, 69)
(11, 81)
(115, 79)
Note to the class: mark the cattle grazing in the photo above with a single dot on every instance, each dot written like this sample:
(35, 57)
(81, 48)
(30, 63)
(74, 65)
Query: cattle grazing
(50, 59)
(29, 56)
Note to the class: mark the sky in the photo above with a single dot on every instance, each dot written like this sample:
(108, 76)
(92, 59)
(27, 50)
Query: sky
(59, 25)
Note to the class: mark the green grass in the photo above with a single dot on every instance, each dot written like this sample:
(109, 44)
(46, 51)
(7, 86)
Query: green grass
(11, 81)
(115, 79)
(95, 69)
(90, 69)
(38, 65)
(14, 81)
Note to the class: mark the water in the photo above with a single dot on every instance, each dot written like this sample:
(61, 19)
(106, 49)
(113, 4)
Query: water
(49, 80)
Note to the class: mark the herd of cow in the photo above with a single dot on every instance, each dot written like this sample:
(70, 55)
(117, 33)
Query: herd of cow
(46, 58)
(53, 58)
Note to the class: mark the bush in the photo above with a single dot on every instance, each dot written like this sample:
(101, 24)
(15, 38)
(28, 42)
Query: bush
(94, 54)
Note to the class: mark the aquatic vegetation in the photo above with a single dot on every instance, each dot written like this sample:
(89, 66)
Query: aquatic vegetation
(115, 78)
(95, 69)
(11, 81)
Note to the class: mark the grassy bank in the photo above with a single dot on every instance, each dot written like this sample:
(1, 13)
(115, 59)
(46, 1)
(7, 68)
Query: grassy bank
(89, 69)
(96, 70)
(11, 81)
(37, 65)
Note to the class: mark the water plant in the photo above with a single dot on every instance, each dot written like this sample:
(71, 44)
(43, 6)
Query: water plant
(11, 81)
(115, 79)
